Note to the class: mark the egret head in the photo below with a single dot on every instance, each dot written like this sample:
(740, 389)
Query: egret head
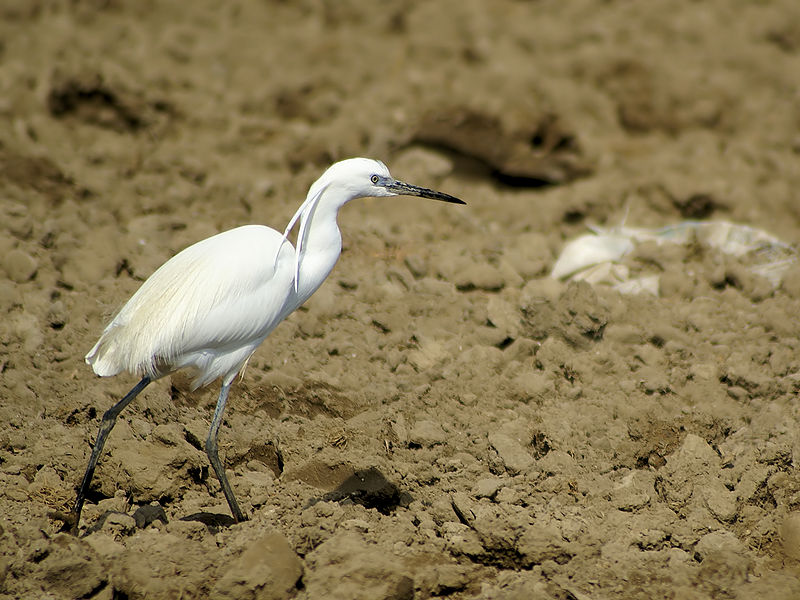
(364, 177)
(344, 181)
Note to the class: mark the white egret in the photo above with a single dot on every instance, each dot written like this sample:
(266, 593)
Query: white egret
(210, 306)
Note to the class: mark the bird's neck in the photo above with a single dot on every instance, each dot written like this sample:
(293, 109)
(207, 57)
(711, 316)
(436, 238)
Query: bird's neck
(321, 248)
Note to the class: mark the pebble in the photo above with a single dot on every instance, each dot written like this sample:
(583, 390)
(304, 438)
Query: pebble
(694, 456)
(652, 380)
(487, 487)
(535, 385)
(426, 434)
(529, 254)
(511, 453)
(10, 295)
(719, 500)
(118, 524)
(19, 265)
(718, 541)
(347, 567)
(504, 316)
(479, 276)
(790, 535)
(268, 568)
(633, 492)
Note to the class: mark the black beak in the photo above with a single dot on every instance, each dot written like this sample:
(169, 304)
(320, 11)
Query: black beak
(406, 189)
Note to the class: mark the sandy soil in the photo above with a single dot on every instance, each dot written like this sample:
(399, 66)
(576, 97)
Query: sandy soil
(441, 419)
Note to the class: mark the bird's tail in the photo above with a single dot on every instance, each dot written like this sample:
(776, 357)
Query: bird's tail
(102, 356)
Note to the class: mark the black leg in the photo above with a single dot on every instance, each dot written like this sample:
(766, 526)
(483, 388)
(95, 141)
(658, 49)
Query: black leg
(107, 424)
(213, 454)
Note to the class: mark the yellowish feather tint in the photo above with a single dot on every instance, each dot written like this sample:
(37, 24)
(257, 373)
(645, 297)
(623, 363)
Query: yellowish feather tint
(207, 308)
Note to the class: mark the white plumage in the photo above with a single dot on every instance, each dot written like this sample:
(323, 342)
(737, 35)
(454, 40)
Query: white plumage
(210, 306)
(207, 308)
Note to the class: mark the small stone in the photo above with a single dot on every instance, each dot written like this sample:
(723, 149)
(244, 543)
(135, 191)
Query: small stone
(268, 569)
(534, 385)
(359, 525)
(511, 453)
(503, 315)
(9, 295)
(540, 543)
(720, 501)
(19, 265)
(790, 535)
(144, 515)
(653, 380)
(634, 491)
(479, 276)
(462, 506)
(487, 488)
(507, 495)
(694, 456)
(429, 354)
(718, 541)
(118, 524)
(462, 540)
(346, 567)
(426, 434)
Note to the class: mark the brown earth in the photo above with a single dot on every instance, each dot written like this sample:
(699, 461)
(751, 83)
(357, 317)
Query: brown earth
(441, 419)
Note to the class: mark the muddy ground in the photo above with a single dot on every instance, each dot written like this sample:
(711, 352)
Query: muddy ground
(442, 419)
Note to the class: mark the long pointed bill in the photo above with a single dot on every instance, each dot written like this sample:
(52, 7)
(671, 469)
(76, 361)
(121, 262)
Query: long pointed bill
(406, 189)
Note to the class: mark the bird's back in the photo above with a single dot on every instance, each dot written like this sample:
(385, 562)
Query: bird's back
(208, 307)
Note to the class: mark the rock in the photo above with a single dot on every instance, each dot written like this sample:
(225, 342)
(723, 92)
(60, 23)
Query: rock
(117, 524)
(429, 354)
(540, 543)
(690, 471)
(347, 568)
(534, 385)
(719, 500)
(512, 454)
(487, 487)
(144, 515)
(717, 541)
(634, 491)
(157, 565)
(267, 570)
(70, 569)
(426, 434)
(652, 380)
(463, 507)
(503, 315)
(695, 455)
(19, 265)
(461, 540)
(479, 276)
(790, 535)
(529, 254)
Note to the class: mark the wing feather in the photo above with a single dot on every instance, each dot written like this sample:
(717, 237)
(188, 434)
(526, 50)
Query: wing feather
(216, 296)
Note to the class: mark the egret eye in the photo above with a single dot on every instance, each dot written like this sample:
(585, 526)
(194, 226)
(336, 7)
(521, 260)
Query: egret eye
(375, 179)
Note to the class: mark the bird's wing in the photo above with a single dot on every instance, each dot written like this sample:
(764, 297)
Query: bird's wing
(220, 294)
